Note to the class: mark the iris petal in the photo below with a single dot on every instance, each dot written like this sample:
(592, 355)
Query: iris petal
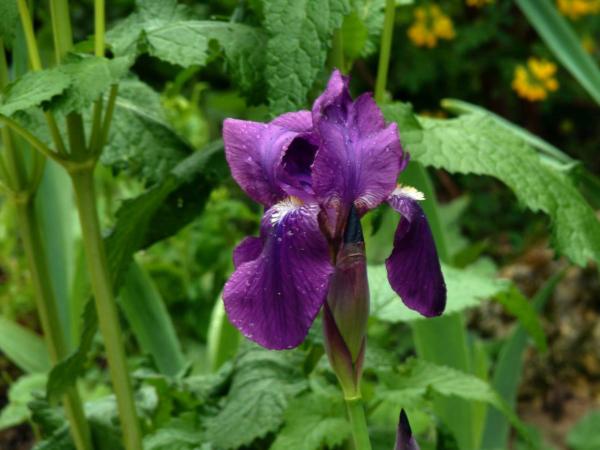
(413, 268)
(255, 150)
(274, 298)
(359, 158)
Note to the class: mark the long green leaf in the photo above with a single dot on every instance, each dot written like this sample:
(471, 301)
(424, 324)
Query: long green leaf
(54, 204)
(562, 40)
(149, 319)
(26, 349)
(223, 338)
(508, 373)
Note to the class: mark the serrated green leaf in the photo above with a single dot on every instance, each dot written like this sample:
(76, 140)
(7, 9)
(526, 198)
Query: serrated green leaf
(20, 394)
(26, 349)
(9, 19)
(90, 77)
(312, 422)
(476, 143)
(466, 288)
(141, 140)
(300, 33)
(178, 434)
(419, 378)
(32, 89)
(261, 387)
(584, 434)
(169, 32)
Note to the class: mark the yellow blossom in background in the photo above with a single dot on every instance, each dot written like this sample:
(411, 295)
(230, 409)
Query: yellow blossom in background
(574, 9)
(479, 3)
(430, 25)
(535, 80)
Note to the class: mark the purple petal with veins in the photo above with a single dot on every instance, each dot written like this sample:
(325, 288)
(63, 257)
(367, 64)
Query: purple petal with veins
(274, 298)
(358, 159)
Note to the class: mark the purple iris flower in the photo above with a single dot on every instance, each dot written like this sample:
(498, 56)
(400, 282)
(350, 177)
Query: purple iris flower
(311, 170)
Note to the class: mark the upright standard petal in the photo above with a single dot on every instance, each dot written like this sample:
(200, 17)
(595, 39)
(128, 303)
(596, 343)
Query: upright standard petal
(358, 159)
(274, 298)
(413, 268)
(255, 150)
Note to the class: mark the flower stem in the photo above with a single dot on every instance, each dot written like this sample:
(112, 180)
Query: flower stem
(83, 185)
(337, 51)
(358, 423)
(48, 313)
(385, 50)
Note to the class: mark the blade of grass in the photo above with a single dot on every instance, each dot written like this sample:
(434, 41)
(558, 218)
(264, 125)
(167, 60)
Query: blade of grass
(507, 374)
(23, 347)
(149, 319)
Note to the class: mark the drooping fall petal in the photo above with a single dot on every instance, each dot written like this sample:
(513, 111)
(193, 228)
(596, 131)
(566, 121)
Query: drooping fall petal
(413, 268)
(274, 298)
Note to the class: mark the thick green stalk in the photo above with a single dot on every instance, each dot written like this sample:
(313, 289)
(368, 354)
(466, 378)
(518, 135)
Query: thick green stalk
(24, 188)
(385, 50)
(358, 423)
(85, 197)
(48, 313)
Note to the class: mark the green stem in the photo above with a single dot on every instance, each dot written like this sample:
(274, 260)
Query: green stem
(36, 64)
(49, 317)
(33, 140)
(99, 26)
(385, 50)
(83, 185)
(61, 28)
(358, 423)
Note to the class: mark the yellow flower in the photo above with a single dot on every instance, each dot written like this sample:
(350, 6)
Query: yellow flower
(574, 9)
(535, 80)
(430, 25)
(479, 3)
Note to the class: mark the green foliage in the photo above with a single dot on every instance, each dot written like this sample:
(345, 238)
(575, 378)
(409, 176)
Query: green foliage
(9, 18)
(90, 77)
(419, 378)
(72, 86)
(466, 288)
(362, 27)
(26, 349)
(144, 308)
(299, 35)
(179, 434)
(170, 32)
(475, 143)
(262, 384)
(32, 89)
(64, 374)
(312, 422)
(141, 140)
(164, 208)
(584, 434)
(507, 372)
(19, 396)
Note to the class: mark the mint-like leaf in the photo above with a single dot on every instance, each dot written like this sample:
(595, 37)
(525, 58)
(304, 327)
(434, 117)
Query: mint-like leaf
(300, 33)
(476, 143)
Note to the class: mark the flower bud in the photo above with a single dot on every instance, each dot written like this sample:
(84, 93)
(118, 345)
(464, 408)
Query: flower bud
(347, 308)
(404, 437)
